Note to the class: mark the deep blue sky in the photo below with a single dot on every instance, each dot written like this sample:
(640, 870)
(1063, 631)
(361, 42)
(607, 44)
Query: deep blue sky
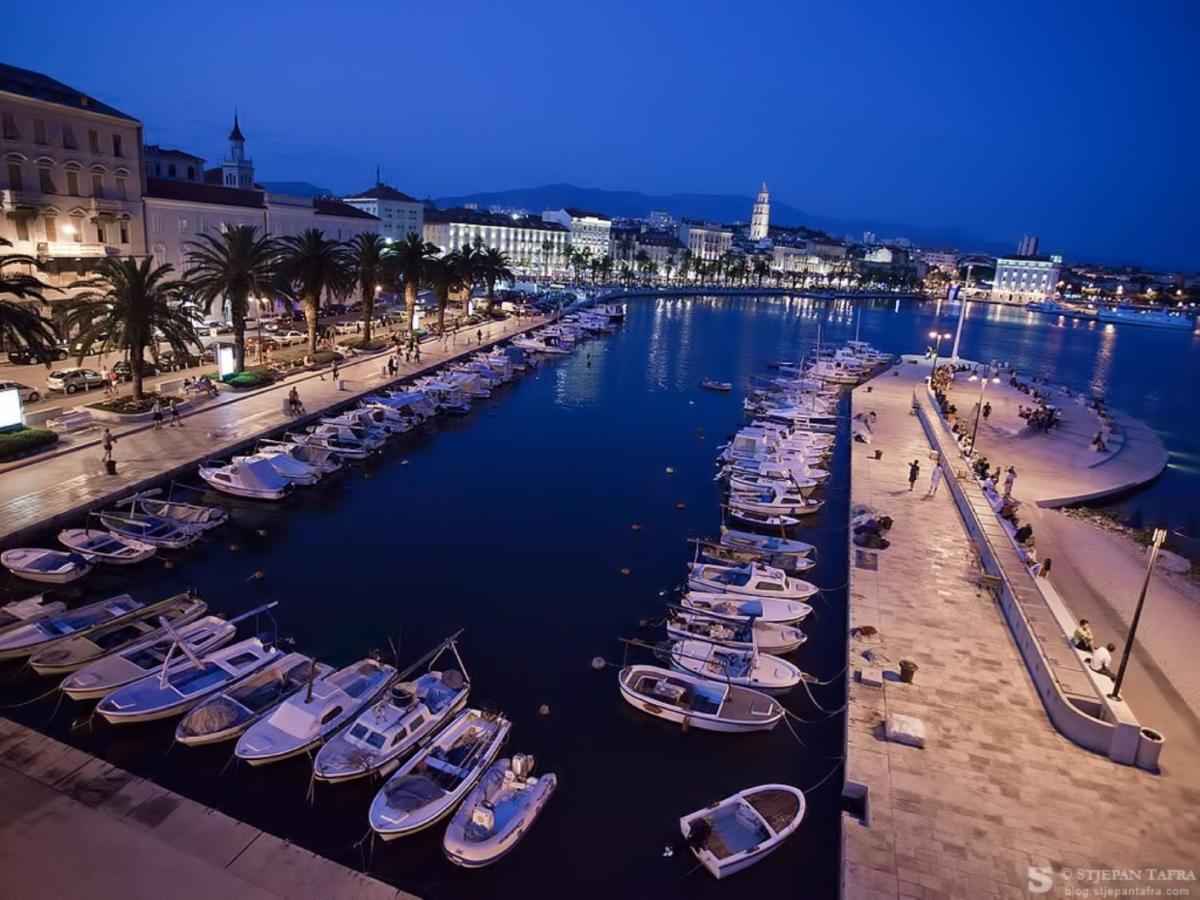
(1079, 121)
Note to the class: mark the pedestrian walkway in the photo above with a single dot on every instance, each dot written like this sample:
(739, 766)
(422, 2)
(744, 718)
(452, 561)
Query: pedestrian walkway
(49, 490)
(996, 789)
(72, 825)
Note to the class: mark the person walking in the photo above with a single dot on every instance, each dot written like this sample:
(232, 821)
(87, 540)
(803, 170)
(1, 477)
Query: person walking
(1008, 481)
(479, 336)
(107, 442)
(104, 376)
(335, 371)
(987, 411)
(175, 420)
(914, 472)
(116, 382)
(294, 404)
(935, 481)
(157, 415)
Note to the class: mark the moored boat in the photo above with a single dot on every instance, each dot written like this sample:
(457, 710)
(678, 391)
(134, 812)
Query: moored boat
(497, 813)
(752, 580)
(740, 666)
(46, 566)
(768, 609)
(683, 697)
(37, 634)
(731, 834)
(104, 546)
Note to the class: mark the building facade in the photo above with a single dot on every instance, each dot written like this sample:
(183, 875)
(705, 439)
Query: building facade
(704, 240)
(70, 178)
(178, 212)
(760, 219)
(946, 260)
(590, 231)
(177, 165)
(399, 214)
(1028, 245)
(534, 246)
(1026, 279)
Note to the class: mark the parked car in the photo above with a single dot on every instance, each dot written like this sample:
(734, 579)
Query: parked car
(336, 309)
(218, 328)
(21, 356)
(74, 379)
(288, 338)
(268, 343)
(24, 391)
(124, 370)
(170, 361)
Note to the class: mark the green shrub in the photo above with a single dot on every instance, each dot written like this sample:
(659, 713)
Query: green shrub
(23, 440)
(377, 343)
(129, 406)
(323, 357)
(256, 376)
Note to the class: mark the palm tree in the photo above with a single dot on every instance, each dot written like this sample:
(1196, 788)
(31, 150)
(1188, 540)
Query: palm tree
(606, 266)
(625, 245)
(406, 266)
(311, 265)
(642, 260)
(368, 254)
(547, 253)
(130, 305)
(626, 274)
(19, 323)
(494, 266)
(468, 268)
(669, 265)
(441, 274)
(685, 265)
(232, 266)
(761, 269)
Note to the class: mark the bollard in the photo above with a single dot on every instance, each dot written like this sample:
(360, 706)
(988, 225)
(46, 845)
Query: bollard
(110, 466)
(879, 454)
(908, 669)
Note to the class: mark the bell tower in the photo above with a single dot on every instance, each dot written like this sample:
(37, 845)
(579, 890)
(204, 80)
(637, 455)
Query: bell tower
(236, 170)
(760, 221)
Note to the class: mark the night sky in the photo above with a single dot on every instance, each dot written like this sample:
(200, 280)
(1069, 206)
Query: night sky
(1079, 121)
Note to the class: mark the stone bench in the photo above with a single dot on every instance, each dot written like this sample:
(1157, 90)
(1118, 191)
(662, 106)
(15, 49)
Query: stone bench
(76, 420)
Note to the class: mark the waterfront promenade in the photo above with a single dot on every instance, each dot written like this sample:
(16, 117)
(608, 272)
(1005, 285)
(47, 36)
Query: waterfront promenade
(996, 789)
(47, 490)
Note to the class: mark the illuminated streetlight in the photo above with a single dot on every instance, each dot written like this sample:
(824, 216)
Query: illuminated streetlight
(983, 382)
(937, 337)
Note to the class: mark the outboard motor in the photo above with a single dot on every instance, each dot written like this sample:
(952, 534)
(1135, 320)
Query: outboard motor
(522, 765)
(403, 695)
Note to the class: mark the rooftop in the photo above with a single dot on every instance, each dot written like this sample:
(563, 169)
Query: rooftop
(325, 207)
(576, 213)
(37, 86)
(477, 217)
(193, 192)
(156, 150)
(383, 192)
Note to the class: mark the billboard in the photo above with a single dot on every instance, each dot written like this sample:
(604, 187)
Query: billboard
(10, 408)
(226, 360)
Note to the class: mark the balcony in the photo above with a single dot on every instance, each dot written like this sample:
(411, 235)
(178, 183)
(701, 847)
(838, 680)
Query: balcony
(13, 200)
(101, 206)
(75, 250)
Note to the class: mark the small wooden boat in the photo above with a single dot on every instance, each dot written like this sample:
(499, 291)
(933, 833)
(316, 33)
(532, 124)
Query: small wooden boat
(104, 546)
(255, 479)
(739, 633)
(76, 652)
(744, 667)
(496, 815)
(731, 834)
(308, 717)
(46, 566)
(751, 580)
(231, 712)
(683, 697)
(712, 385)
(727, 556)
(37, 634)
(174, 690)
(189, 515)
(430, 784)
(731, 537)
(147, 657)
(760, 520)
(150, 529)
(775, 502)
(768, 609)
(30, 609)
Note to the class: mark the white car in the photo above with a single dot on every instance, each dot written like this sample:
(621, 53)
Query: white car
(354, 327)
(71, 380)
(24, 391)
(287, 338)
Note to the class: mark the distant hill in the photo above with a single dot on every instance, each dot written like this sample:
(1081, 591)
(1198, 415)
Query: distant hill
(713, 207)
(296, 188)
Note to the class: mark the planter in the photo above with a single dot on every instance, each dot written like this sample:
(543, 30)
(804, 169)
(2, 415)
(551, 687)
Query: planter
(1149, 748)
(111, 417)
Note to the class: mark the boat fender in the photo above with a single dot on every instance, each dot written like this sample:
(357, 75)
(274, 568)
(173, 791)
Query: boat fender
(670, 470)
(261, 532)
(625, 571)
(637, 526)
(681, 506)
(598, 663)
(168, 564)
(234, 548)
(544, 709)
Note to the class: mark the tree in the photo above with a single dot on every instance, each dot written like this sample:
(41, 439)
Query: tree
(310, 266)
(625, 245)
(762, 268)
(642, 260)
(669, 265)
(232, 266)
(686, 263)
(406, 267)
(605, 266)
(441, 274)
(130, 305)
(467, 263)
(18, 323)
(547, 254)
(494, 266)
(368, 255)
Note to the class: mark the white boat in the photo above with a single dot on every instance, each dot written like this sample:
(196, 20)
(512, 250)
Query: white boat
(146, 658)
(758, 484)
(731, 537)
(28, 610)
(727, 556)
(228, 714)
(754, 519)
(713, 385)
(427, 787)
(326, 462)
(386, 731)
(350, 424)
(104, 546)
(150, 529)
(445, 397)
(731, 665)
(82, 649)
(739, 633)
(731, 834)
(683, 697)
(344, 447)
(532, 344)
(497, 813)
(171, 691)
(46, 566)
(1153, 318)
(387, 419)
(309, 716)
(414, 404)
(188, 515)
(253, 478)
(39, 633)
(775, 501)
(768, 609)
(287, 467)
(752, 580)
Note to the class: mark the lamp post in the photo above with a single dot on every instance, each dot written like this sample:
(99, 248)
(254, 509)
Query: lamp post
(962, 314)
(1160, 535)
(983, 381)
(937, 337)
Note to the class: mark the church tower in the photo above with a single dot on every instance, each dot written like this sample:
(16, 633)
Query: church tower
(760, 222)
(236, 170)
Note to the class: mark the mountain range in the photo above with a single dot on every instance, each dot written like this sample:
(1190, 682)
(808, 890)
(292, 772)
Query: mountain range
(714, 208)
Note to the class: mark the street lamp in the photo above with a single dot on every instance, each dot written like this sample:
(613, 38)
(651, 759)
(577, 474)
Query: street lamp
(937, 337)
(1160, 535)
(983, 382)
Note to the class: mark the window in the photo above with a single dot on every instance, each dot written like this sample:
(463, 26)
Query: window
(9, 127)
(39, 131)
(418, 722)
(171, 170)
(94, 140)
(191, 173)
(124, 228)
(69, 138)
(183, 226)
(14, 176)
(72, 183)
(45, 182)
(51, 228)
(117, 150)
(77, 229)
(101, 233)
(22, 228)
(121, 191)
(97, 185)
(331, 715)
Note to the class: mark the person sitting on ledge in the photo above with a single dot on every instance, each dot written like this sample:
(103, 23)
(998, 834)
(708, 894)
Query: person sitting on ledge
(1082, 638)
(1100, 660)
(1024, 534)
(1098, 444)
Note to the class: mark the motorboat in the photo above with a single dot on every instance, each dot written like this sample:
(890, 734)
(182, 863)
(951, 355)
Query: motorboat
(472, 384)
(46, 566)
(746, 540)
(345, 448)
(28, 610)
(290, 469)
(386, 419)
(752, 580)
(498, 812)
(76, 652)
(711, 384)
(741, 634)
(404, 719)
(188, 515)
(758, 484)
(414, 404)
(535, 344)
(614, 312)
(775, 501)
(766, 521)
(40, 633)
(150, 529)
(104, 546)
(731, 834)
(326, 462)
(775, 469)
(432, 781)
(370, 438)
(682, 697)
(727, 556)
(147, 657)
(1127, 315)
(252, 478)
(228, 714)
(446, 397)
(359, 425)
(173, 690)
(744, 667)
(308, 717)
(737, 606)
